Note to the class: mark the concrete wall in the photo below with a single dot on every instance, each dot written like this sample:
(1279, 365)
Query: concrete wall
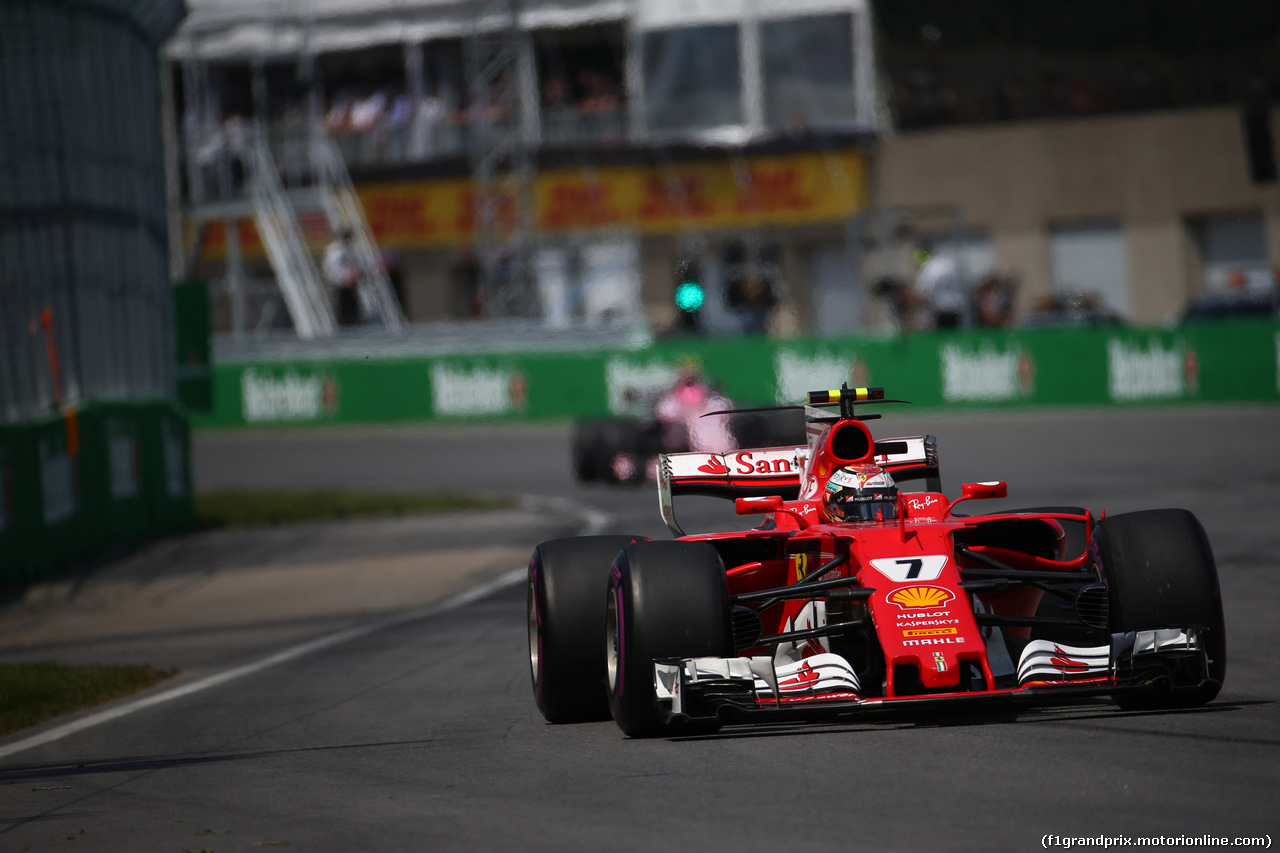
(1152, 173)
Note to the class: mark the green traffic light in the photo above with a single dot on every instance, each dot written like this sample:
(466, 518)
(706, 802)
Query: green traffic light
(689, 296)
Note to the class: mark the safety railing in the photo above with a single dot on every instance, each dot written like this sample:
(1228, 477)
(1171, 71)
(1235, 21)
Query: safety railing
(345, 212)
(299, 280)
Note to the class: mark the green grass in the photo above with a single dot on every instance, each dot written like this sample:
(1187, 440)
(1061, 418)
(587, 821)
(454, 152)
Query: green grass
(263, 507)
(31, 693)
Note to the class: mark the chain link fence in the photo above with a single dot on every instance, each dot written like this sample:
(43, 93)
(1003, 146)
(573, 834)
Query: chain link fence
(85, 304)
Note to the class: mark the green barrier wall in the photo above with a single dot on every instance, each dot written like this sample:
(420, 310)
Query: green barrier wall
(1220, 362)
(77, 482)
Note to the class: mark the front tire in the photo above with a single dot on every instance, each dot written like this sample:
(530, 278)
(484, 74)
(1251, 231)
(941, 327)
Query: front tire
(665, 600)
(1160, 573)
(566, 663)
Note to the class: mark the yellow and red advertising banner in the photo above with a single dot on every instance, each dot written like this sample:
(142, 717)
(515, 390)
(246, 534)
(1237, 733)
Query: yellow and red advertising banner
(714, 194)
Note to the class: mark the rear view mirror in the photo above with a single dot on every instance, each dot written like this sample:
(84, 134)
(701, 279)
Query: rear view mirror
(984, 491)
(749, 506)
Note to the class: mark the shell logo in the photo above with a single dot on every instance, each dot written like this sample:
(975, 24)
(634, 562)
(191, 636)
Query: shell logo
(912, 597)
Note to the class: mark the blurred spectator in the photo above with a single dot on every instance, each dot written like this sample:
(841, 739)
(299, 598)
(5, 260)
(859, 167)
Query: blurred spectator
(399, 113)
(1237, 300)
(599, 94)
(368, 111)
(941, 288)
(993, 301)
(236, 134)
(1071, 309)
(341, 269)
(423, 124)
(338, 119)
(895, 292)
(555, 94)
(558, 116)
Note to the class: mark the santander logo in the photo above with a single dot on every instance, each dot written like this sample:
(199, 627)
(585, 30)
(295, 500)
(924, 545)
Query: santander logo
(747, 463)
(714, 466)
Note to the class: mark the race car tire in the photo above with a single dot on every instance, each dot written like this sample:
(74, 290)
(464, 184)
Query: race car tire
(665, 600)
(619, 437)
(1160, 572)
(588, 451)
(566, 661)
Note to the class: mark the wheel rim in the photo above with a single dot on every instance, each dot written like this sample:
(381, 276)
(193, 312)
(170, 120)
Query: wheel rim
(612, 639)
(535, 640)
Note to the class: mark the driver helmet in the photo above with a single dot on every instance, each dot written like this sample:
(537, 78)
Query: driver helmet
(861, 493)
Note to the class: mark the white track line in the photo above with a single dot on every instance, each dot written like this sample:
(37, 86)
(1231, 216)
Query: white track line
(593, 522)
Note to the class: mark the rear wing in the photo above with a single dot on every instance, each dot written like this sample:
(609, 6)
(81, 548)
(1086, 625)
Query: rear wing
(777, 471)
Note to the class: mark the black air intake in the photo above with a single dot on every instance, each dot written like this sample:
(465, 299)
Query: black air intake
(1091, 605)
(747, 628)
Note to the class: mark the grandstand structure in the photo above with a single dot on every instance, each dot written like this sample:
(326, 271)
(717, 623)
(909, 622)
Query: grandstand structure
(568, 164)
(542, 160)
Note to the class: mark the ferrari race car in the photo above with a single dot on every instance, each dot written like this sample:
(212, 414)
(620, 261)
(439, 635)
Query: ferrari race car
(855, 595)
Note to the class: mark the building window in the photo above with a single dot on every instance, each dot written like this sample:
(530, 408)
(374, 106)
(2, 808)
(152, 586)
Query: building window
(970, 251)
(808, 72)
(1091, 263)
(594, 283)
(692, 79)
(582, 95)
(1233, 251)
(837, 293)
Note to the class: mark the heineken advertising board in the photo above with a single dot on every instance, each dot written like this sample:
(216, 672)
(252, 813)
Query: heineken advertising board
(1220, 362)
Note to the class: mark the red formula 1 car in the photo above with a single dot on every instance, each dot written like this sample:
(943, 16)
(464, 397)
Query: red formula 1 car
(855, 595)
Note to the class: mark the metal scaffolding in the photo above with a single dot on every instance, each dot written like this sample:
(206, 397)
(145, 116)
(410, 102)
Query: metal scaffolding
(504, 133)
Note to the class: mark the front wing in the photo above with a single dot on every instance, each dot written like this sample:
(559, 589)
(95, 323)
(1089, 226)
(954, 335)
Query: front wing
(825, 685)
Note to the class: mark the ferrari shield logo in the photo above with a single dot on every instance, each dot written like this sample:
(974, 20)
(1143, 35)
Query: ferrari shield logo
(801, 562)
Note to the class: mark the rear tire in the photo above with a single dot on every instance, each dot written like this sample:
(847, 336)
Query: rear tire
(587, 450)
(665, 600)
(1160, 573)
(619, 437)
(566, 662)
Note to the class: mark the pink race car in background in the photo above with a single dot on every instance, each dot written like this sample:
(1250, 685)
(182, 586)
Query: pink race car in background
(625, 449)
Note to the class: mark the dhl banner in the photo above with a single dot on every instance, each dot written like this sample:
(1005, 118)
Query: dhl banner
(716, 194)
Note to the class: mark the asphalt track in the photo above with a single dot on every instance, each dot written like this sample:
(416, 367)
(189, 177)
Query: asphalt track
(422, 735)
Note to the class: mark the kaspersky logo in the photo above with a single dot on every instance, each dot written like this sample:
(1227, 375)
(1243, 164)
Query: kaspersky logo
(921, 597)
